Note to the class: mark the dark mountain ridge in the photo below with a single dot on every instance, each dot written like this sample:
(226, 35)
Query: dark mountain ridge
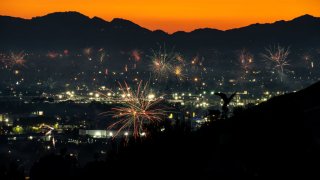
(75, 30)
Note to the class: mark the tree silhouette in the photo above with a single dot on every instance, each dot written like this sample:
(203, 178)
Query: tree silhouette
(226, 102)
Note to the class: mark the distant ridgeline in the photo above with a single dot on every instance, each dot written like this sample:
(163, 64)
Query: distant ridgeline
(72, 30)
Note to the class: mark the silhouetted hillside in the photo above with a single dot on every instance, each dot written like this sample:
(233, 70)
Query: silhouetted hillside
(278, 138)
(74, 30)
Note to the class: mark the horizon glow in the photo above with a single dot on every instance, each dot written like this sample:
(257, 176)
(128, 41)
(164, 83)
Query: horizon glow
(171, 16)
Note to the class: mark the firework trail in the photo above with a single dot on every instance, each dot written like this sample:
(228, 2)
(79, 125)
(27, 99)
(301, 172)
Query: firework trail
(87, 52)
(48, 132)
(138, 109)
(278, 55)
(102, 54)
(309, 61)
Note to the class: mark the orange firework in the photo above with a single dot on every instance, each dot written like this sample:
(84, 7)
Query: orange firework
(164, 64)
(138, 108)
(178, 71)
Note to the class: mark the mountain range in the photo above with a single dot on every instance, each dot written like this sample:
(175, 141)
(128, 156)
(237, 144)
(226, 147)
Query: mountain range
(73, 30)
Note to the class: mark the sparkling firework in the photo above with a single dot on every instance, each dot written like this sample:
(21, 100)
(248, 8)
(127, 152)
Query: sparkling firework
(278, 55)
(138, 109)
(246, 60)
(164, 64)
(15, 60)
(178, 71)
(161, 64)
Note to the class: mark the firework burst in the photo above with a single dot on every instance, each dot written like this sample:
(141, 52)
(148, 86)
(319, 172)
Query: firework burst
(15, 59)
(246, 60)
(138, 109)
(278, 55)
(165, 64)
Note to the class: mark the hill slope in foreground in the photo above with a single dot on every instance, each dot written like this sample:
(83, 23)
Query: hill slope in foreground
(278, 138)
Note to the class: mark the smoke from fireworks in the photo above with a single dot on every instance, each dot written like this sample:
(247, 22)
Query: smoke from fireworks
(138, 109)
(178, 71)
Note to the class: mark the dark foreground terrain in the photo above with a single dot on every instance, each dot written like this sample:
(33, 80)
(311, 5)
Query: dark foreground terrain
(278, 138)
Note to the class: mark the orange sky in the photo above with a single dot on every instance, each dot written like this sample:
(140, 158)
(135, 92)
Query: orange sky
(170, 15)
